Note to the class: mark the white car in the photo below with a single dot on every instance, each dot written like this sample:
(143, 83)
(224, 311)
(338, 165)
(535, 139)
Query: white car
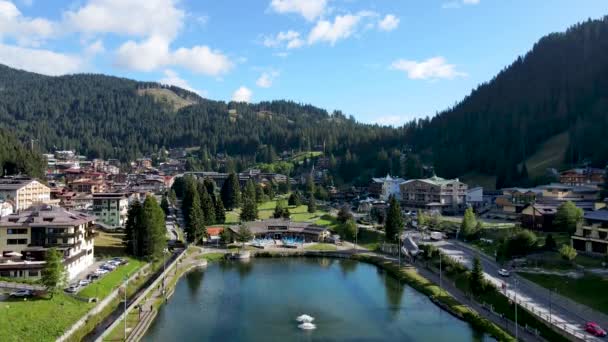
(21, 293)
(504, 272)
(101, 271)
(84, 282)
(73, 288)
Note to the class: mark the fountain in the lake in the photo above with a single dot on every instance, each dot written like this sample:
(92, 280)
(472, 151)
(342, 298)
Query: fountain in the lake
(306, 321)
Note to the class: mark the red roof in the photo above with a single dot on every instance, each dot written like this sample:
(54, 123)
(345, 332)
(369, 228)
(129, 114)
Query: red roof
(214, 231)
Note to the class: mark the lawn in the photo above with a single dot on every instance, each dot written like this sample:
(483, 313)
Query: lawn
(321, 247)
(298, 214)
(109, 244)
(39, 319)
(587, 290)
(111, 281)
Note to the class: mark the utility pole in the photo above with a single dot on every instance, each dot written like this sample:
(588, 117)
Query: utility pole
(125, 305)
(440, 278)
(516, 327)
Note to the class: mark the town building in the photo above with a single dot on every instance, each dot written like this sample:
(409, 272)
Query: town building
(24, 192)
(27, 235)
(475, 197)
(435, 193)
(582, 176)
(592, 236)
(6, 207)
(538, 217)
(278, 229)
(111, 209)
(385, 187)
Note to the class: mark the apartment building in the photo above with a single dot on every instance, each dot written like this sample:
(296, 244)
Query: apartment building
(111, 209)
(592, 236)
(27, 235)
(435, 193)
(24, 192)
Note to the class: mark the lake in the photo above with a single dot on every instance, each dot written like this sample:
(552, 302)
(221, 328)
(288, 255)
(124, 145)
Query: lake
(260, 300)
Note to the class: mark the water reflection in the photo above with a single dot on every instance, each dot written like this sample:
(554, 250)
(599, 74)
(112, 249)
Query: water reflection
(347, 266)
(194, 282)
(394, 293)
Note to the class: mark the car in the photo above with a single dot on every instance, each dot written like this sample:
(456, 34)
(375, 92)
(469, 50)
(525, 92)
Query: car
(108, 267)
(72, 288)
(84, 282)
(93, 276)
(119, 260)
(504, 272)
(21, 294)
(101, 271)
(594, 329)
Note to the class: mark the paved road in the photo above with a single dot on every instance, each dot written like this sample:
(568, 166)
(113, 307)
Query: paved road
(559, 312)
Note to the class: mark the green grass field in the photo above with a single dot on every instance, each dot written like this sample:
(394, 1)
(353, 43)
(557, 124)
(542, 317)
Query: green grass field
(39, 319)
(588, 290)
(298, 214)
(321, 247)
(102, 287)
(549, 154)
(109, 245)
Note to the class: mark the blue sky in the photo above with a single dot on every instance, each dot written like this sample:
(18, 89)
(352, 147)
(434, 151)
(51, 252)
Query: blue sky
(384, 61)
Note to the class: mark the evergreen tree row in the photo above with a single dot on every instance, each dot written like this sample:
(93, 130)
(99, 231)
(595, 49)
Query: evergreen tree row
(145, 230)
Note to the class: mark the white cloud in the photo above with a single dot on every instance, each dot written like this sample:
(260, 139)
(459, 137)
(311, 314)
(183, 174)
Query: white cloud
(459, 3)
(309, 9)
(140, 18)
(266, 79)
(154, 53)
(40, 61)
(432, 68)
(145, 56)
(389, 23)
(172, 78)
(243, 94)
(288, 39)
(281, 54)
(95, 48)
(202, 60)
(26, 31)
(342, 27)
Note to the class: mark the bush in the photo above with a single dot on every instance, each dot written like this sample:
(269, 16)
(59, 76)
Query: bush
(567, 253)
(550, 243)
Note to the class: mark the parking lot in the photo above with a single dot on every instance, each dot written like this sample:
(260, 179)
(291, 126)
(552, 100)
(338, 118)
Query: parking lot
(93, 273)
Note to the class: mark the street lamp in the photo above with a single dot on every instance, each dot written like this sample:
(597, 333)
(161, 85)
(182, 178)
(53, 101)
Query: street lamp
(516, 327)
(398, 247)
(125, 304)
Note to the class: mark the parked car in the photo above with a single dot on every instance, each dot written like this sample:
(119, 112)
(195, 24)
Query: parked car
(101, 271)
(84, 282)
(594, 329)
(121, 261)
(21, 294)
(72, 288)
(93, 276)
(504, 272)
(108, 267)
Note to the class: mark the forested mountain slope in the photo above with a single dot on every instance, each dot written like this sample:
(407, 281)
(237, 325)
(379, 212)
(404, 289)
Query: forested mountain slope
(15, 158)
(561, 85)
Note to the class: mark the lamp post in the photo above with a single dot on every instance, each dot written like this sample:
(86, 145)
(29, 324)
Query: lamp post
(125, 305)
(516, 326)
(440, 273)
(399, 247)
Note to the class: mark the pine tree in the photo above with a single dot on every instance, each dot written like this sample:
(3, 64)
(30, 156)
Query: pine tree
(164, 204)
(310, 185)
(133, 234)
(286, 213)
(208, 208)
(259, 193)
(231, 192)
(294, 199)
(53, 274)
(477, 281)
(244, 234)
(278, 210)
(172, 197)
(209, 186)
(394, 221)
(220, 212)
(196, 228)
(312, 204)
(153, 220)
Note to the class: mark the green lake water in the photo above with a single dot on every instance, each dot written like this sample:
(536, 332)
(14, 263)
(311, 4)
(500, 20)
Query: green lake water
(260, 300)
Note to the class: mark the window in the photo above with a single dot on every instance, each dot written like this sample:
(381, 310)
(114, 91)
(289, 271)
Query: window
(33, 273)
(17, 231)
(16, 241)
